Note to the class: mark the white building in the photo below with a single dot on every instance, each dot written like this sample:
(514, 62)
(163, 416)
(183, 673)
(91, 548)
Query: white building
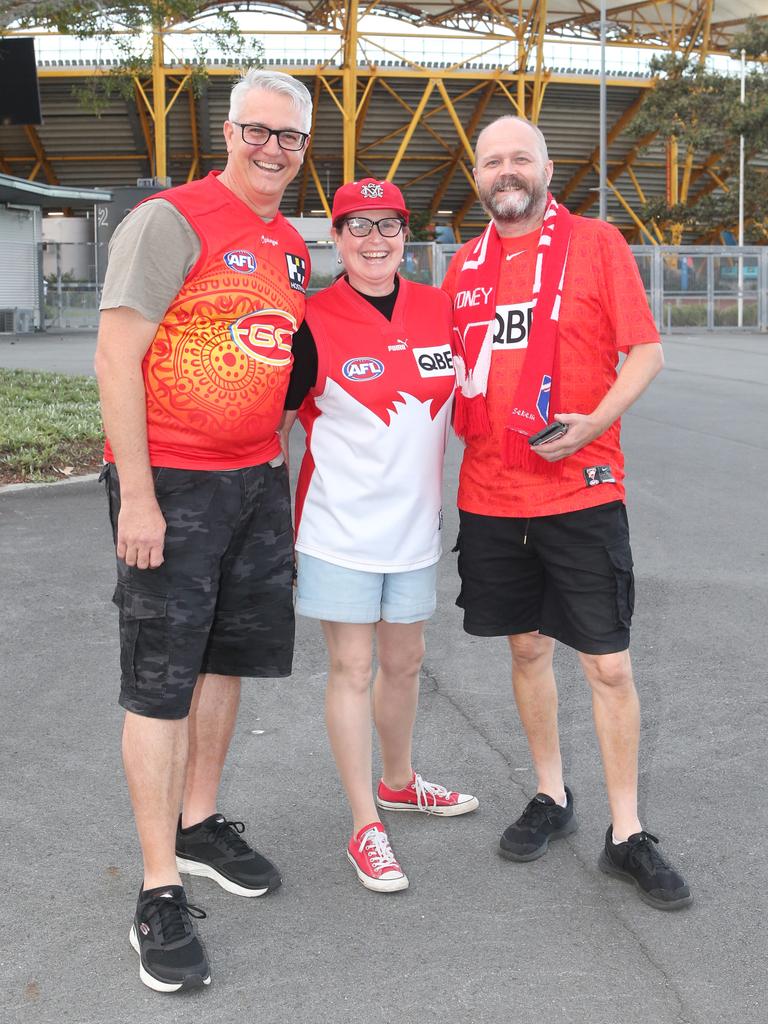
(22, 237)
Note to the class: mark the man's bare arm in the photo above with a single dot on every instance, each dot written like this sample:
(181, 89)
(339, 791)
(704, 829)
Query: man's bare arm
(289, 418)
(639, 368)
(124, 337)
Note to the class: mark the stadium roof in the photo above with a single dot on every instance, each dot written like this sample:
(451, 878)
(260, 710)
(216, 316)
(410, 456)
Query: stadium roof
(641, 21)
(49, 197)
(412, 121)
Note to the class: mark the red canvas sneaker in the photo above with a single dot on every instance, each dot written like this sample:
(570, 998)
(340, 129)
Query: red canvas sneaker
(371, 856)
(426, 797)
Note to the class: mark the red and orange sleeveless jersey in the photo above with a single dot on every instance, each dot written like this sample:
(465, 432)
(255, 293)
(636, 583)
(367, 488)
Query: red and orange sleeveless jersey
(217, 370)
(604, 312)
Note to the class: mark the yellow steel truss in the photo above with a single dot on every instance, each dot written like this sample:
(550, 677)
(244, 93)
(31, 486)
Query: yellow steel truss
(42, 160)
(369, 68)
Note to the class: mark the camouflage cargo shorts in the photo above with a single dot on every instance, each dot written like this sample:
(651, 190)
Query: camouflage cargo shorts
(222, 600)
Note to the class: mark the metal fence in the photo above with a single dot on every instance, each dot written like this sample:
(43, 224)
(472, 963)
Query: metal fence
(47, 285)
(71, 293)
(421, 262)
(702, 287)
(70, 289)
(706, 287)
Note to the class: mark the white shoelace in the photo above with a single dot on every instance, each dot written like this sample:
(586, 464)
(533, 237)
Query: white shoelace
(427, 793)
(381, 856)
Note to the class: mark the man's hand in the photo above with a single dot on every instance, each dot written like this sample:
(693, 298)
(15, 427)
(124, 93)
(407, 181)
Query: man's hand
(581, 430)
(637, 371)
(124, 338)
(141, 534)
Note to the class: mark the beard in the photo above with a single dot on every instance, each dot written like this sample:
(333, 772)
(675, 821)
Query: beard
(510, 209)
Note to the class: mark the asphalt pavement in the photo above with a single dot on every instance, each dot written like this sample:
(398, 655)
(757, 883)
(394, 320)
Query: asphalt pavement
(476, 939)
(56, 352)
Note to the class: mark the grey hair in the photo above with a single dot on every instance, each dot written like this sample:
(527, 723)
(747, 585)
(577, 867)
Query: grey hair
(540, 140)
(272, 81)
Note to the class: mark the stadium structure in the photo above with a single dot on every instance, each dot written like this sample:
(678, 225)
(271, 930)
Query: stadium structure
(401, 90)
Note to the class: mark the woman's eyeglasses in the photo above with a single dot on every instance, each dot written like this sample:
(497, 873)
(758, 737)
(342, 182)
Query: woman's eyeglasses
(389, 227)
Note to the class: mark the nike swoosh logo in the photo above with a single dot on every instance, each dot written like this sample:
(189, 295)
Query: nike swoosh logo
(511, 255)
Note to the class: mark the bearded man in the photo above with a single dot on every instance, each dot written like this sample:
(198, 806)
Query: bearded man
(544, 303)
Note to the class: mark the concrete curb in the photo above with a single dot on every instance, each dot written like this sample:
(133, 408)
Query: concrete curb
(36, 485)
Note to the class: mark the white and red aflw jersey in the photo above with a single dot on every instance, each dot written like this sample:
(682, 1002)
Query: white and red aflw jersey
(369, 494)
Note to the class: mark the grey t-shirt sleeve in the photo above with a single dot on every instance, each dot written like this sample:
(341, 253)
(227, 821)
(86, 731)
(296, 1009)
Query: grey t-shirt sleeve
(150, 255)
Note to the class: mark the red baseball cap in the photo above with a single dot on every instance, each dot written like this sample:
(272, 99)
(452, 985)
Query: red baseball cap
(368, 194)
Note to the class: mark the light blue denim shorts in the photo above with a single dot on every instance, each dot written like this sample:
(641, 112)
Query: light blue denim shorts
(336, 594)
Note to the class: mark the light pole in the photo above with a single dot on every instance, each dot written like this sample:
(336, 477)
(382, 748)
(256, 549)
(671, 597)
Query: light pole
(740, 302)
(603, 193)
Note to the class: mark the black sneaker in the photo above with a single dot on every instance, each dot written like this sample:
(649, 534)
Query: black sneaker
(542, 820)
(639, 860)
(163, 934)
(215, 850)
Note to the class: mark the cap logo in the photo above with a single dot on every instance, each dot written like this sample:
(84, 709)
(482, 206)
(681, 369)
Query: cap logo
(372, 191)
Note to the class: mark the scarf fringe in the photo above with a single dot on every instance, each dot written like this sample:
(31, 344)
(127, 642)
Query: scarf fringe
(518, 454)
(470, 417)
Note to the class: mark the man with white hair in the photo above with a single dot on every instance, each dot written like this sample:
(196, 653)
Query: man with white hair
(204, 289)
(544, 303)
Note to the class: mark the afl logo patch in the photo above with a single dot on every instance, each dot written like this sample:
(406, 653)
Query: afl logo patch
(240, 260)
(265, 335)
(363, 368)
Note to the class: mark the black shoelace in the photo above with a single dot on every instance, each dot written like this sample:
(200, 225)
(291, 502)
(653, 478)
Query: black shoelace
(168, 916)
(228, 833)
(535, 814)
(644, 854)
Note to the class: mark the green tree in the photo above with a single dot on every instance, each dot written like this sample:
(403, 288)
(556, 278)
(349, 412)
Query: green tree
(421, 227)
(700, 109)
(753, 40)
(128, 27)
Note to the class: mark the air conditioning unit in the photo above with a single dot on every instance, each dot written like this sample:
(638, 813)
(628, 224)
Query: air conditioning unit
(17, 321)
(25, 321)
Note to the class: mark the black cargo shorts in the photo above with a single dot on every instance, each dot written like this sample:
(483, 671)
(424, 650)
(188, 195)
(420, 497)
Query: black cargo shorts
(569, 576)
(222, 600)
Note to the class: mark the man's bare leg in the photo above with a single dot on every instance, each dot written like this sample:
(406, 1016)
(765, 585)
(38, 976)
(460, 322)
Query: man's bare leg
(155, 759)
(533, 682)
(209, 851)
(616, 710)
(212, 719)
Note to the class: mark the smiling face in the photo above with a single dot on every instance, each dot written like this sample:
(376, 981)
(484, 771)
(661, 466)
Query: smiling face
(512, 176)
(370, 262)
(259, 175)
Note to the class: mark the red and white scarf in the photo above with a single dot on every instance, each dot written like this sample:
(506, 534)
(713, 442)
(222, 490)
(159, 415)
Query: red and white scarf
(536, 396)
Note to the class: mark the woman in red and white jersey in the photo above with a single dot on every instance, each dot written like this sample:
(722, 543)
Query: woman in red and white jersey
(372, 385)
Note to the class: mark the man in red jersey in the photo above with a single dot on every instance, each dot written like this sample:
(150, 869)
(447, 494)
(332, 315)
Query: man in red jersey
(544, 302)
(204, 289)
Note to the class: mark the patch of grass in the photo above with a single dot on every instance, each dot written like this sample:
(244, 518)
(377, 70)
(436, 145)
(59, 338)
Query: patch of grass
(50, 426)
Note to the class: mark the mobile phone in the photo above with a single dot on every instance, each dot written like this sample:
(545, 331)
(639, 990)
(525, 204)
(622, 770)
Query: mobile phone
(549, 433)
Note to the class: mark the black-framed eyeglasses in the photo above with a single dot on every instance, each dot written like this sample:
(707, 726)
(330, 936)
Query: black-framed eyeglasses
(259, 135)
(389, 227)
